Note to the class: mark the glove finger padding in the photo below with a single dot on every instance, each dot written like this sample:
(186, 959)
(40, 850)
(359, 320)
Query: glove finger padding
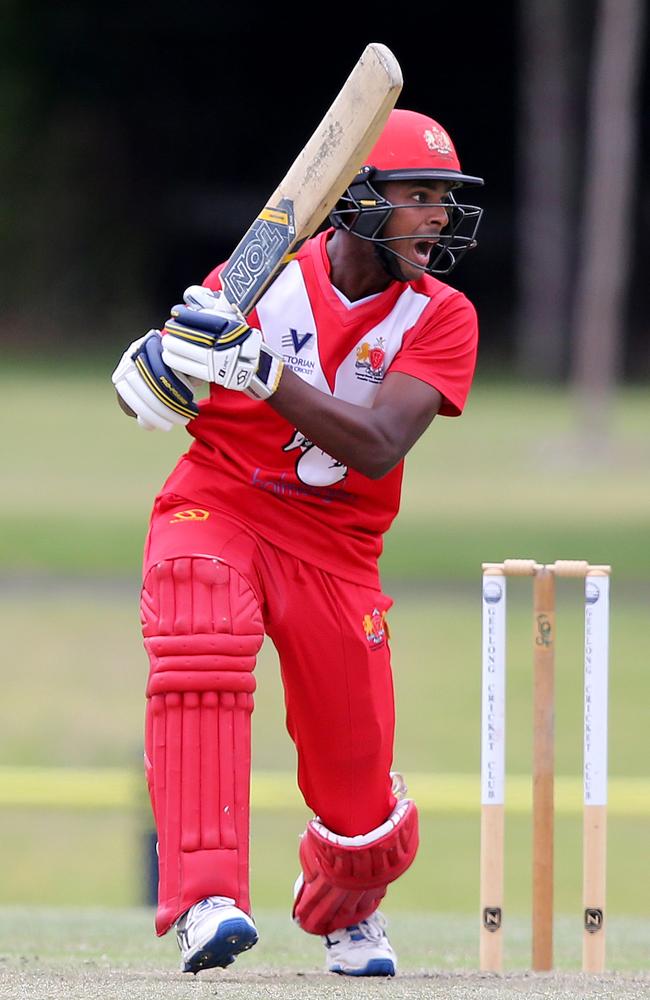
(211, 347)
(250, 366)
(158, 396)
(232, 368)
(345, 878)
(147, 418)
(209, 329)
(171, 390)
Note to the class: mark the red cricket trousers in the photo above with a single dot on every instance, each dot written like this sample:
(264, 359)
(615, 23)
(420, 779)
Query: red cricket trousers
(332, 642)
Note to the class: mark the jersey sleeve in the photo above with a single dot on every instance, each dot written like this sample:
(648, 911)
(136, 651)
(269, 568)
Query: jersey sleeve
(441, 351)
(213, 279)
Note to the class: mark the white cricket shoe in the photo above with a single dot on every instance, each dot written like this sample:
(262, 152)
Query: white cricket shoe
(361, 950)
(212, 933)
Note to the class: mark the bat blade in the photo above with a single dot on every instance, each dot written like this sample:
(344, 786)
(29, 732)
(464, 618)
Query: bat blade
(318, 177)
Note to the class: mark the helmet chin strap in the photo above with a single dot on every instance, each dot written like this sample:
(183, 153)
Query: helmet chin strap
(389, 262)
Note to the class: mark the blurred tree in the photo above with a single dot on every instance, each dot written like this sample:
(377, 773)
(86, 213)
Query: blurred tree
(72, 256)
(608, 220)
(137, 142)
(546, 157)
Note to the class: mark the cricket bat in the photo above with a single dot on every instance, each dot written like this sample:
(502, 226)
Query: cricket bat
(317, 179)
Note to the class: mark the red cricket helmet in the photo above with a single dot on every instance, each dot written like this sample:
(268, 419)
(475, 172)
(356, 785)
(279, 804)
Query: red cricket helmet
(412, 146)
(415, 146)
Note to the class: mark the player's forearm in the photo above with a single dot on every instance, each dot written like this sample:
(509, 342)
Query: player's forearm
(357, 436)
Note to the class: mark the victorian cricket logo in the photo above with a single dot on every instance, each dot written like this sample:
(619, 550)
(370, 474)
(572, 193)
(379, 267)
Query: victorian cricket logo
(294, 344)
(370, 361)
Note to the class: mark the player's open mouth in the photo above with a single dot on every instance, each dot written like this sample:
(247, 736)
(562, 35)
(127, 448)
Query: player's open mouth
(422, 251)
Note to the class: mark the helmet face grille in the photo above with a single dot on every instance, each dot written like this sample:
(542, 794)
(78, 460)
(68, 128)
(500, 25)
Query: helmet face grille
(364, 211)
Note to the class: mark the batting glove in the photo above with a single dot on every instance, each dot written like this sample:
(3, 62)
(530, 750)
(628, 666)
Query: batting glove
(159, 397)
(207, 339)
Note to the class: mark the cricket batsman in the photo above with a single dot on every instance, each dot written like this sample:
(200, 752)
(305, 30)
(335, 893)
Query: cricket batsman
(271, 523)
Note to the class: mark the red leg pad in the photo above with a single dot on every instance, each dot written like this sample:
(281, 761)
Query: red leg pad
(345, 878)
(202, 631)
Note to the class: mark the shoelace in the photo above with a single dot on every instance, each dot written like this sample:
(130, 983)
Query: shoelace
(196, 913)
(213, 903)
(373, 928)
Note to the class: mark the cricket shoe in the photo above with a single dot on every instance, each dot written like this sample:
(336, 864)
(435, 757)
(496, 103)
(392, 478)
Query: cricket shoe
(212, 933)
(361, 950)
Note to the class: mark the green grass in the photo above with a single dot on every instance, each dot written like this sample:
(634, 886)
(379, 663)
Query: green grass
(510, 477)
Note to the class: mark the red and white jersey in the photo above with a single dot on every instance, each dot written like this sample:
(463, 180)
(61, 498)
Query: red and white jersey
(249, 461)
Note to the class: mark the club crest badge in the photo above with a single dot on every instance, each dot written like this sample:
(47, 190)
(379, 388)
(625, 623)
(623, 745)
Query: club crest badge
(375, 627)
(371, 361)
(438, 141)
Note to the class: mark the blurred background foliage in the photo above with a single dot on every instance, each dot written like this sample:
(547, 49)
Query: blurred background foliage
(138, 143)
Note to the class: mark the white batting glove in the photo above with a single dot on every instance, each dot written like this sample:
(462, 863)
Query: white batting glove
(208, 339)
(159, 397)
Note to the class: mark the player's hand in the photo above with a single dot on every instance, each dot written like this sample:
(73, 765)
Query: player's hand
(207, 339)
(158, 396)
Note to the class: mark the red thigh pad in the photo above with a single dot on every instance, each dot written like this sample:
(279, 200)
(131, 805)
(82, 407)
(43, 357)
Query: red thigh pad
(202, 630)
(345, 878)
